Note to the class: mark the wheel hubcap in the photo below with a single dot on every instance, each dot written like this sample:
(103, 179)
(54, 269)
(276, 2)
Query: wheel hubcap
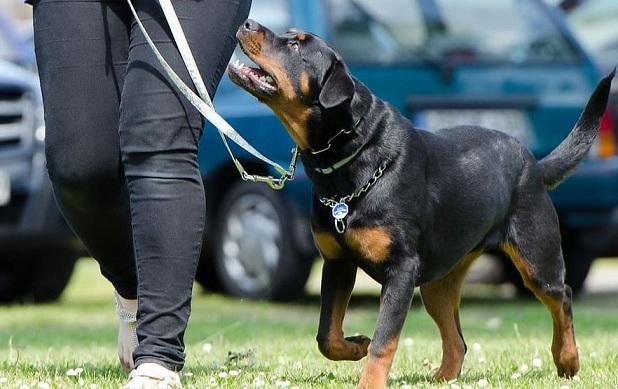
(251, 241)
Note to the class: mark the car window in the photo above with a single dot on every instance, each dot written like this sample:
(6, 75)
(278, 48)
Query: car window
(473, 30)
(595, 23)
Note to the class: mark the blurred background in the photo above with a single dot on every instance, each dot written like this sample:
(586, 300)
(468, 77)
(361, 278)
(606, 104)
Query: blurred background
(525, 67)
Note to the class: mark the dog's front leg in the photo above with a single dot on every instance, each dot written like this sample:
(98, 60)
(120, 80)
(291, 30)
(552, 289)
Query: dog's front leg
(395, 300)
(338, 277)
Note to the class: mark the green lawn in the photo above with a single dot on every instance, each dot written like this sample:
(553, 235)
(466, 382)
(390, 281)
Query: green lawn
(273, 345)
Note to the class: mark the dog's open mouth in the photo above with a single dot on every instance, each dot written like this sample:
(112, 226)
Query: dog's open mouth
(253, 79)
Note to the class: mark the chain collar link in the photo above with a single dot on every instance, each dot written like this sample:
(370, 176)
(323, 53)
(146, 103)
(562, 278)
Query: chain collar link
(341, 204)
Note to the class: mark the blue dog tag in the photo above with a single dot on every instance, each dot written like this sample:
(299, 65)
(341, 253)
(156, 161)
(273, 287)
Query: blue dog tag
(340, 211)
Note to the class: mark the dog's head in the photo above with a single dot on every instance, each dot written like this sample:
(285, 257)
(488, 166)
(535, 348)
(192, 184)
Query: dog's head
(298, 76)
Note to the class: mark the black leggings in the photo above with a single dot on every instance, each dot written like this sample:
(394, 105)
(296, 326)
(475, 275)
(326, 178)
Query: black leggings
(121, 146)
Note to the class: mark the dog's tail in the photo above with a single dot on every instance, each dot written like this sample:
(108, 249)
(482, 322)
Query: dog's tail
(564, 158)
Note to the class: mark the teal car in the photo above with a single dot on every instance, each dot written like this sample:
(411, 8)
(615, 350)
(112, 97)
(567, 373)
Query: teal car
(512, 65)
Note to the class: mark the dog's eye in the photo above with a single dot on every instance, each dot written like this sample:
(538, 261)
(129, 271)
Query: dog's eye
(293, 45)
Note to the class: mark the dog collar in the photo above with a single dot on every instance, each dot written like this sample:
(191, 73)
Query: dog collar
(340, 209)
(337, 165)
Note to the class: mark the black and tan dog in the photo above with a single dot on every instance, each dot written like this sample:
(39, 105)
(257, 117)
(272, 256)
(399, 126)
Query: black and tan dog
(411, 207)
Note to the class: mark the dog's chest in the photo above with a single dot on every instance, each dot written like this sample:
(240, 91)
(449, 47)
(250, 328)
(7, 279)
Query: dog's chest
(372, 244)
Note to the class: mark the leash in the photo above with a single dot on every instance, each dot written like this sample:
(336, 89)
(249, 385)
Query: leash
(204, 105)
(340, 209)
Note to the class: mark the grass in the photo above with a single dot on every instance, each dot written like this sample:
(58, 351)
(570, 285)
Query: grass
(274, 345)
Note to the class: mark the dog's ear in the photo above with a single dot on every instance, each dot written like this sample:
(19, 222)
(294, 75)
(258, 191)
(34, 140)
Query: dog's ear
(337, 87)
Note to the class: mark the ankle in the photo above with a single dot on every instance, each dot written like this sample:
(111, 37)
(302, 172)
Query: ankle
(127, 309)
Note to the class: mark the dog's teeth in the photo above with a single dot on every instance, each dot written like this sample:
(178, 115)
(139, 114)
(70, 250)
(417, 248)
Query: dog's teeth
(269, 79)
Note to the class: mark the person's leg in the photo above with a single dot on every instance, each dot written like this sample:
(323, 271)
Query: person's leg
(159, 134)
(82, 50)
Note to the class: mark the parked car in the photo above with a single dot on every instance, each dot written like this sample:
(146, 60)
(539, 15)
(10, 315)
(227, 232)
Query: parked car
(513, 66)
(37, 249)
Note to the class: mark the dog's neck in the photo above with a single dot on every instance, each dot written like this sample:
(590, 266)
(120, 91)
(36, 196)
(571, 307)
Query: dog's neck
(363, 143)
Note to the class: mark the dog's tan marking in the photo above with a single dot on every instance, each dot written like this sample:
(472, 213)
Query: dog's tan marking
(375, 373)
(286, 104)
(372, 243)
(563, 348)
(301, 37)
(327, 244)
(336, 347)
(441, 298)
(304, 83)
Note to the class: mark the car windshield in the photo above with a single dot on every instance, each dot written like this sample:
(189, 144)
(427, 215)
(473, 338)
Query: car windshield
(595, 23)
(7, 52)
(390, 31)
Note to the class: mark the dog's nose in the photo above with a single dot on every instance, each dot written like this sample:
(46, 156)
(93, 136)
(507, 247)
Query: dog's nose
(251, 25)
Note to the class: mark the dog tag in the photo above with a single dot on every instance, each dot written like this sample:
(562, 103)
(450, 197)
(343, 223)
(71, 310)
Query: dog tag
(340, 211)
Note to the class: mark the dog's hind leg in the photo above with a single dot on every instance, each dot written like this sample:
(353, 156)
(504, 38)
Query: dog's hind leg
(441, 298)
(533, 244)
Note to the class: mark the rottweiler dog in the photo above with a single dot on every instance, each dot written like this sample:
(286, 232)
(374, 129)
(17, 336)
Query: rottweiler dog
(410, 207)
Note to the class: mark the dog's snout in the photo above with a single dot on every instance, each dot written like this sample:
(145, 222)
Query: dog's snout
(251, 25)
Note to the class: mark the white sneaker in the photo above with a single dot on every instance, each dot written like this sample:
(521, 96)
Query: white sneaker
(153, 376)
(127, 326)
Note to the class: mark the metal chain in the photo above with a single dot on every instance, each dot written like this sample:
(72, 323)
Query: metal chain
(331, 202)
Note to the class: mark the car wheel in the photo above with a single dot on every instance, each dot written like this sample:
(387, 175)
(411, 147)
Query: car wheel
(50, 275)
(36, 277)
(254, 249)
(13, 280)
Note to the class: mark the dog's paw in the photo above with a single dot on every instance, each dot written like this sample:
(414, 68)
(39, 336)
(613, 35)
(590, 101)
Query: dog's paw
(568, 367)
(362, 345)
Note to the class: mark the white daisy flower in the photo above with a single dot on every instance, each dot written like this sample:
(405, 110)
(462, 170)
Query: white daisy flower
(234, 373)
(483, 383)
(523, 368)
(476, 347)
(258, 382)
(43, 385)
(515, 376)
(493, 323)
(207, 348)
(408, 342)
(223, 374)
(406, 386)
(282, 384)
(536, 363)
(72, 373)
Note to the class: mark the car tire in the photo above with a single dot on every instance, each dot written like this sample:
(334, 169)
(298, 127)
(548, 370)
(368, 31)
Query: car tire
(50, 275)
(254, 251)
(35, 278)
